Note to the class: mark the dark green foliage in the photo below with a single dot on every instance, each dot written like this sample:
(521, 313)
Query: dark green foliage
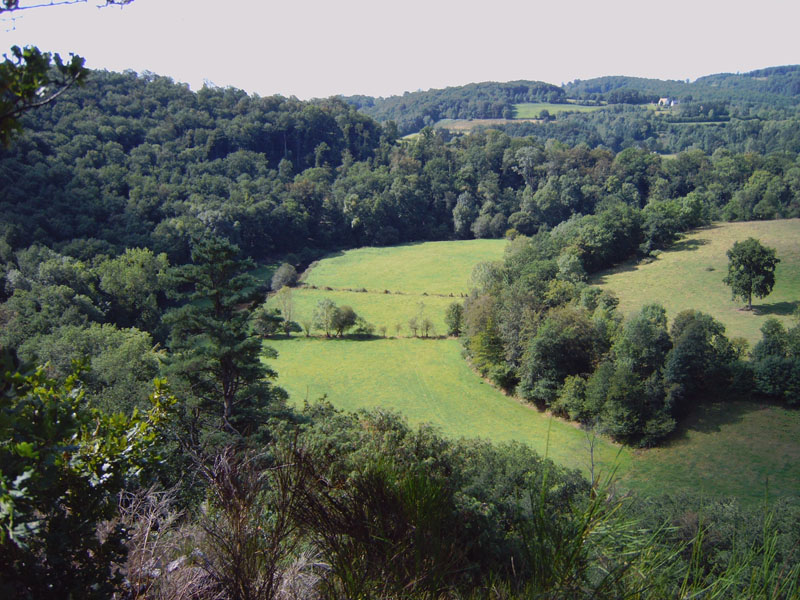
(278, 175)
(214, 356)
(63, 463)
(776, 362)
(396, 511)
(636, 408)
(266, 322)
(135, 282)
(484, 344)
(751, 270)
(454, 318)
(563, 345)
(29, 79)
(122, 362)
(700, 363)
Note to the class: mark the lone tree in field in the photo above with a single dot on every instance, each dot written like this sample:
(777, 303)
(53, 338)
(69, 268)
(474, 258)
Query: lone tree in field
(751, 270)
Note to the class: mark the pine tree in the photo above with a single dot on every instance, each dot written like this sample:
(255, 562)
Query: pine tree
(214, 353)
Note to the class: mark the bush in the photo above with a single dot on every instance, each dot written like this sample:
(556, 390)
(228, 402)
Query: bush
(286, 275)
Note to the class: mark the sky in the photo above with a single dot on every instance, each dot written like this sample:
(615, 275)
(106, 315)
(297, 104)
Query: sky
(319, 48)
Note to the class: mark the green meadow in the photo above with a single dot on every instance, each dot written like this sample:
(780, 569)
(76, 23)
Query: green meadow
(377, 308)
(690, 276)
(532, 110)
(732, 448)
(428, 381)
(738, 449)
(429, 267)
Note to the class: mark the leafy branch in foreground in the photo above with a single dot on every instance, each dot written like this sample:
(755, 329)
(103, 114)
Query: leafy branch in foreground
(30, 78)
(63, 463)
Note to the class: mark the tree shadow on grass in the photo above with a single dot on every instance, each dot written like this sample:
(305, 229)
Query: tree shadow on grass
(626, 267)
(710, 418)
(634, 265)
(687, 244)
(776, 308)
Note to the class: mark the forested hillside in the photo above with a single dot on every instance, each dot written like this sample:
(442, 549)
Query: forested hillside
(414, 110)
(140, 161)
(750, 112)
(148, 450)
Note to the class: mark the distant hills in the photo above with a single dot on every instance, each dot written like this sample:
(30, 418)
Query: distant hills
(774, 87)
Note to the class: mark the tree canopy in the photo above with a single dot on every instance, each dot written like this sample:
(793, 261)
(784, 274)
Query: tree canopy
(751, 270)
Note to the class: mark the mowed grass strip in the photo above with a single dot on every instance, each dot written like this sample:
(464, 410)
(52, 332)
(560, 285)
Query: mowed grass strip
(532, 110)
(430, 267)
(380, 309)
(690, 276)
(428, 381)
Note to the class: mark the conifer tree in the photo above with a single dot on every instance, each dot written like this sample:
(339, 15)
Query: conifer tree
(214, 353)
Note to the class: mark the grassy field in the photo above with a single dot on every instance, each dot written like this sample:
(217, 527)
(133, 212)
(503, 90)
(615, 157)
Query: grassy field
(430, 267)
(377, 308)
(690, 276)
(427, 381)
(739, 449)
(532, 110)
(735, 448)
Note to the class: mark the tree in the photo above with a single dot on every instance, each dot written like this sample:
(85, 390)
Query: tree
(464, 213)
(31, 78)
(213, 349)
(344, 317)
(134, 281)
(751, 270)
(286, 305)
(324, 315)
(454, 319)
(286, 275)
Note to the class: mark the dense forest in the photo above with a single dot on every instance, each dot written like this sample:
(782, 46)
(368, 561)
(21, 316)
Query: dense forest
(415, 110)
(134, 214)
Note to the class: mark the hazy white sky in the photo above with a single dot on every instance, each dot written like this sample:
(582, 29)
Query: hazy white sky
(316, 48)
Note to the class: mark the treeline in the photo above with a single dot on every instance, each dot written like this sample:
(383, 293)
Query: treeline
(489, 100)
(772, 87)
(751, 112)
(707, 126)
(535, 328)
(133, 161)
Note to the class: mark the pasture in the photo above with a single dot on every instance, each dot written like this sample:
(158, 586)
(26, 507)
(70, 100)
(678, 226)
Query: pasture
(736, 449)
(690, 275)
(377, 308)
(429, 267)
(728, 448)
(427, 381)
(533, 110)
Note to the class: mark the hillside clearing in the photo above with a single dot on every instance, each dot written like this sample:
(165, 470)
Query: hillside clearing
(690, 276)
(728, 448)
(428, 381)
(533, 110)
